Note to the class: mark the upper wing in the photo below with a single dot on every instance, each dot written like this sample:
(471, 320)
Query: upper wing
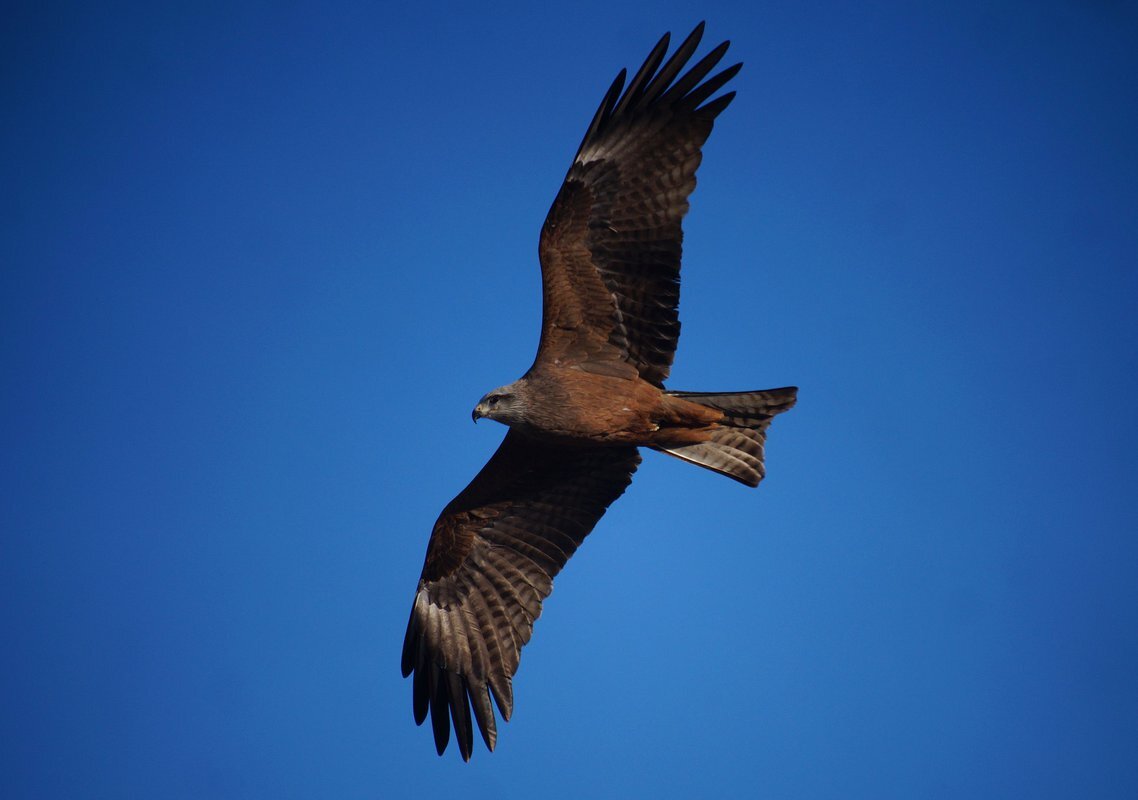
(490, 562)
(610, 247)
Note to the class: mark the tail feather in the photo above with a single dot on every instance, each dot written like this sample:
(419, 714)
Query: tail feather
(736, 447)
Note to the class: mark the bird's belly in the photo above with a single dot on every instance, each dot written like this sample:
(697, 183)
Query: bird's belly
(602, 409)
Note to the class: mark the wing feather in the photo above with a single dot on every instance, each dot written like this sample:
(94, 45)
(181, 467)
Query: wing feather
(612, 242)
(673, 67)
(490, 564)
(639, 82)
(694, 75)
(440, 714)
(605, 109)
(709, 87)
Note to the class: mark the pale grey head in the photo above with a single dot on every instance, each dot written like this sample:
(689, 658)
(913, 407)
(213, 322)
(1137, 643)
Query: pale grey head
(506, 404)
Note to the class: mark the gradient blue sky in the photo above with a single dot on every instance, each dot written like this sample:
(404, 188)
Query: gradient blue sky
(260, 261)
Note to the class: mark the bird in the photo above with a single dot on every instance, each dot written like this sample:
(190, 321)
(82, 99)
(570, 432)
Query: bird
(610, 251)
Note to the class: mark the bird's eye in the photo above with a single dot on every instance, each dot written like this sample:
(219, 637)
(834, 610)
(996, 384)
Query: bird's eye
(493, 399)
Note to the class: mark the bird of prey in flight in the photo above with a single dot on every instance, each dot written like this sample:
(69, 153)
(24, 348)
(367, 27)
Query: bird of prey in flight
(610, 264)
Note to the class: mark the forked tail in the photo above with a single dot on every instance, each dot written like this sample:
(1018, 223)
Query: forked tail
(735, 449)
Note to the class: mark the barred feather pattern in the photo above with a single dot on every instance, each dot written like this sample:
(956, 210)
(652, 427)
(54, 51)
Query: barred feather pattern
(736, 448)
(490, 564)
(612, 243)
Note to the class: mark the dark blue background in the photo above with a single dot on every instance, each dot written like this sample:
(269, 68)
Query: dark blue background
(261, 260)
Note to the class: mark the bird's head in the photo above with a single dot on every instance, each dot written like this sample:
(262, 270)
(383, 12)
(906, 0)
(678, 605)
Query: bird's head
(503, 404)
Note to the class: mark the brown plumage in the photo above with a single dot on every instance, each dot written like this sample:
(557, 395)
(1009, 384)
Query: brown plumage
(610, 262)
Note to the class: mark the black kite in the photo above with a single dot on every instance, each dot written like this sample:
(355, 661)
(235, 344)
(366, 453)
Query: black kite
(610, 264)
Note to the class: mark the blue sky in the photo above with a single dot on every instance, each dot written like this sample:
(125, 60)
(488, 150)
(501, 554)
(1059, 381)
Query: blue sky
(260, 261)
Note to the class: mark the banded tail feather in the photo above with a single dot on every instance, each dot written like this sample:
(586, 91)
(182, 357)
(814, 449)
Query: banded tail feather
(735, 448)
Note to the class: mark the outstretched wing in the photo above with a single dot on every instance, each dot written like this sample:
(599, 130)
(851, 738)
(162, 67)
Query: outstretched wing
(490, 563)
(611, 245)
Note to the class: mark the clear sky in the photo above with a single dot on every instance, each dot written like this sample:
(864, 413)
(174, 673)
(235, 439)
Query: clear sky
(259, 261)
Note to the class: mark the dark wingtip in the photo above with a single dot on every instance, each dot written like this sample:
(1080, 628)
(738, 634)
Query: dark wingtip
(410, 643)
(654, 82)
(460, 713)
(440, 711)
(716, 106)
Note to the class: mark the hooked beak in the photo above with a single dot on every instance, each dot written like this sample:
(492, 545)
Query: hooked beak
(479, 412)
